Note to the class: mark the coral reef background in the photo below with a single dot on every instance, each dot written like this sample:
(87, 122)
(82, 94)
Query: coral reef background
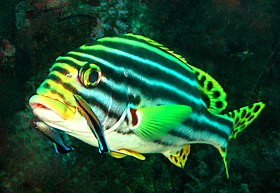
(236, 41)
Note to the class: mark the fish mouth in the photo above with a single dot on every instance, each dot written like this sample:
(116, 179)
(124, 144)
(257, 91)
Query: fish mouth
(49, 109)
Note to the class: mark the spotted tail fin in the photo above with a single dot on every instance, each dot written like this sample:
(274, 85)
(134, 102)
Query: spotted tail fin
(244, 117)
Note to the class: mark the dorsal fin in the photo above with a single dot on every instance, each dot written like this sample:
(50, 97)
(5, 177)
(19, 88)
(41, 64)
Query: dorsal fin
(208, 85)
(212, 90)
(160, 46)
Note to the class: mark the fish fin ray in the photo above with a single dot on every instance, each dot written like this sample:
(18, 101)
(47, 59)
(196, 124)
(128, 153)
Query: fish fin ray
(243, 117)
(180, 158)
(157, 121)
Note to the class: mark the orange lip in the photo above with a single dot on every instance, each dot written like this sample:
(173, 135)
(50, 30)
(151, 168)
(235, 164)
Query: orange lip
(64, 111)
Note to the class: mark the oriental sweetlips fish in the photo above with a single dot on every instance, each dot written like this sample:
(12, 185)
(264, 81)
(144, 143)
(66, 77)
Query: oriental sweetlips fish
(130, 95)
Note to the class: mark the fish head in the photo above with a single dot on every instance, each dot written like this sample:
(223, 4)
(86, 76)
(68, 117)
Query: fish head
(55, 104)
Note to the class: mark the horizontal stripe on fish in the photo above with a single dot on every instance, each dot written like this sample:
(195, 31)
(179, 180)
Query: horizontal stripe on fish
(131, 41)
(204, 127)
(144, 61)
(135, 63)
(79, 63)
(65, 67)
(160, 46)
(150, 62)
(48, 88)
(61, 77)
(210, 122)
(148, 82)
(199, 136)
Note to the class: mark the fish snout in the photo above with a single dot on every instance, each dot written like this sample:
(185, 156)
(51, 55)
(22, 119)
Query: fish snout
(44, 106)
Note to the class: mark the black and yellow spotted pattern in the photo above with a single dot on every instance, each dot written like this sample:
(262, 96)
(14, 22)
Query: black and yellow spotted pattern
(180, 158)
(244, 116)
(212, 90)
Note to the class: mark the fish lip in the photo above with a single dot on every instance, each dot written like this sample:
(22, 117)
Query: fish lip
(43, 104)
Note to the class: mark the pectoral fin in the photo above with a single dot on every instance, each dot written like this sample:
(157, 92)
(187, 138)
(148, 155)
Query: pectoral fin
(152, 123)
(180, 158)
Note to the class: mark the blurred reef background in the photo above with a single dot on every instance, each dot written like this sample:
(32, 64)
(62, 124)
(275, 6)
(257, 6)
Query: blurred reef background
(235, 41)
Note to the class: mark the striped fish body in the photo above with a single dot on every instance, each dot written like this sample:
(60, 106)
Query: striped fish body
(147, 99)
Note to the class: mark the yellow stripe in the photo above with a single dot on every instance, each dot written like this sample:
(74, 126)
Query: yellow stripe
(60, 92)
(70, 81)
(66, 66)
(78, 62)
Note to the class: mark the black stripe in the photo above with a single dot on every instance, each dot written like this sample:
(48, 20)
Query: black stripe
(69, 62)
(65, 85)
(201, 127)
(139, 84)
(144, 69)
(47, 86)
(62, 70)
(146, 54)
(180, 134)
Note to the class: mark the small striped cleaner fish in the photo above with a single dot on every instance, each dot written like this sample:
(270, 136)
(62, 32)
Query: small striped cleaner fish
(130, 95)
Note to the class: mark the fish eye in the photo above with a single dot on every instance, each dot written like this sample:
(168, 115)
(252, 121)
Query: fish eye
(90, 75)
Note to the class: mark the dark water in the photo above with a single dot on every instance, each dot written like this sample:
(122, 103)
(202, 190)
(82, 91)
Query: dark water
(237, 42)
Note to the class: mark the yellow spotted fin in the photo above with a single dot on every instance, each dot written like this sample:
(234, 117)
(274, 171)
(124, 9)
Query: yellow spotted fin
(213, 91)
(244, 116)
(180, 158)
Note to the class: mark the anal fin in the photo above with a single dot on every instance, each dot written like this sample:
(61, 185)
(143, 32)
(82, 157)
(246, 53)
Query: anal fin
(180, 158)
